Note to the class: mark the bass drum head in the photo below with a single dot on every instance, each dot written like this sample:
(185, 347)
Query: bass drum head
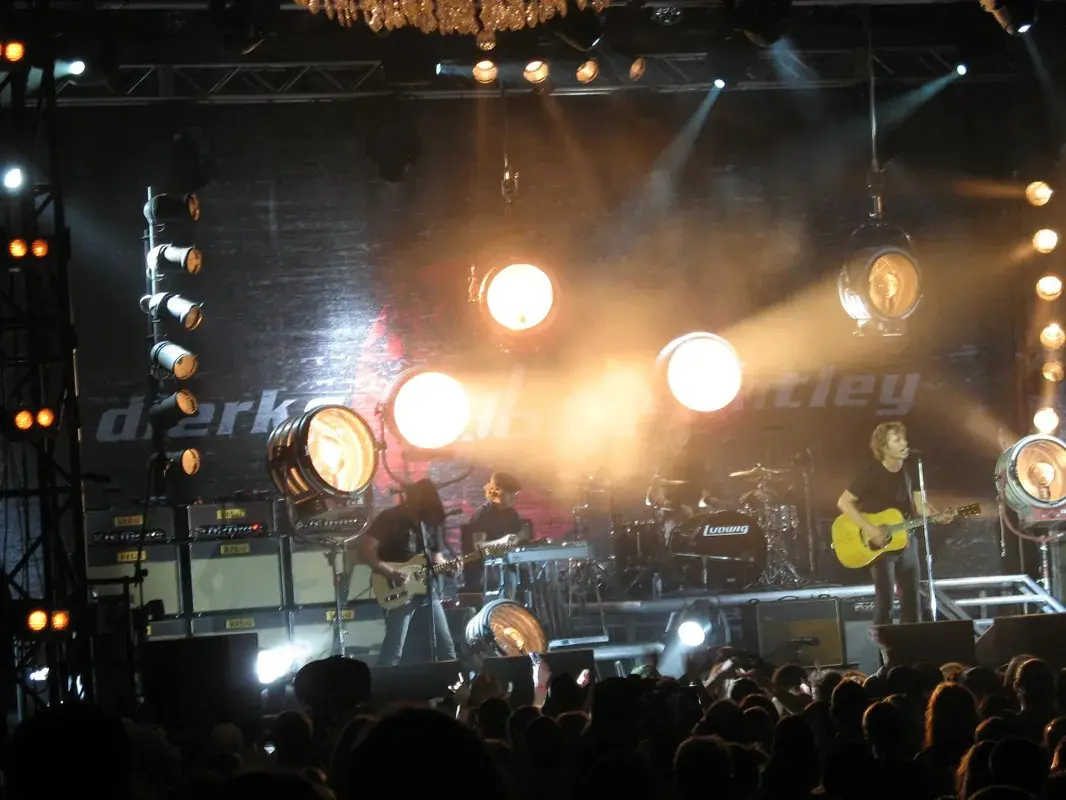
(732, 543)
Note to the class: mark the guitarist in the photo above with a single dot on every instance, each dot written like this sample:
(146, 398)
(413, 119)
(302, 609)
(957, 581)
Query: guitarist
(410, 528)
(497, 522)
(888, 483)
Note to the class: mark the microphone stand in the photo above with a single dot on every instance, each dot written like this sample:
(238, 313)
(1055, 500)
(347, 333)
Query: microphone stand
(928, 541)
(427, 602)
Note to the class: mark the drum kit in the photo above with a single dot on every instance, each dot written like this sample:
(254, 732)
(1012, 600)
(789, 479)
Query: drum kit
(712, 546)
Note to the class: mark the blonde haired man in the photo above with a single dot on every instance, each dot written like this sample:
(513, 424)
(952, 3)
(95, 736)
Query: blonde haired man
(888, 482)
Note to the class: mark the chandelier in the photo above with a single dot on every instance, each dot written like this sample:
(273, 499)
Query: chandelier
(480, 18)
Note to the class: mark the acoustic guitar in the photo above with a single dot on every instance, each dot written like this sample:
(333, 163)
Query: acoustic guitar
(417, 574)
(854, 551)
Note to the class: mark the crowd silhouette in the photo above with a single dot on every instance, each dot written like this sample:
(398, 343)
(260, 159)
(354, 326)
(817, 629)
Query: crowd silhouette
(917, 732)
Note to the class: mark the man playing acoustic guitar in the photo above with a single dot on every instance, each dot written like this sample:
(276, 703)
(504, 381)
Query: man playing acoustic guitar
(888, 483)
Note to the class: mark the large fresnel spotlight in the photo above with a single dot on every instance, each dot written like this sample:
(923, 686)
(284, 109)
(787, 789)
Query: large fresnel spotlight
(504, 628)
(1031, 478)
(519, 298)
(702, 371)
(427, 410)
(327, 452)
(881, 285)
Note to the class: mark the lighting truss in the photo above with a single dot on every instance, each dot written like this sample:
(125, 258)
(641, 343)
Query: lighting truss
(42, 480)
(334, 81)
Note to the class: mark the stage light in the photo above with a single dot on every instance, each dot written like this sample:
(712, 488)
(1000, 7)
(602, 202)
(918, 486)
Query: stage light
(485, 71)
(1045, 240)
(638, 68)
(703, 371)
(1031, 478)
(1016, 17)
(13, 51)
(13, 179)
(276, 663)
(1046, 420)
(17, 248)
(171, 410)
(1053, 371)
(169, 258)
(961, 69)
(187, 460)
(881, 284)
(1049, 287)
(77, 67)
(691, 633)
(719, 83)
(37, 620)
(39, 248)
(60, 620)
(327, 451)
(45, 418)
(427, 410)
(23, 420)
(185, 311)
(588, 71)
(163, 207)
(174, 359)
(1053, 337)
(503, 628)
(536, 71)
(1038, 193)
(518, 297)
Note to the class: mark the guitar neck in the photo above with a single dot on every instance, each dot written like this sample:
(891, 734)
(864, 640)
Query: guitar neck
(910, 524)
(455, 562)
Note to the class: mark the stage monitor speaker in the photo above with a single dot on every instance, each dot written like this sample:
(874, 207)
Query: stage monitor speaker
(193, 684)
(1039, 635)
(413, 683)
(804, 632)
(934, 643)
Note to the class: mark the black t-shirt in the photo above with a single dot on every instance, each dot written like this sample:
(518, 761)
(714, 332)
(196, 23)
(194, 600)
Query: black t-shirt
(495, 520)
(877, 489)
(399, 536)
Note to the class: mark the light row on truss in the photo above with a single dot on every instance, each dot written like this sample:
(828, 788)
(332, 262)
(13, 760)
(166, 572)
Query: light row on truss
(1052, 337)
(538, 71)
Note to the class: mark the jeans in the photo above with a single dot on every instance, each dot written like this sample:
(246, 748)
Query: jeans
(397, 623)
(901, 571)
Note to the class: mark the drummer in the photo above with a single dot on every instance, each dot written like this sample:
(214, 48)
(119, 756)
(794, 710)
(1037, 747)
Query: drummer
(677, 488)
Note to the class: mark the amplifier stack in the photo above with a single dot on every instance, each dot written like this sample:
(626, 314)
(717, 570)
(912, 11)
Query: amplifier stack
(233, 567)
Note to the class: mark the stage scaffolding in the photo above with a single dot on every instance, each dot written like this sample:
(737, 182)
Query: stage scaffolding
(42, 511)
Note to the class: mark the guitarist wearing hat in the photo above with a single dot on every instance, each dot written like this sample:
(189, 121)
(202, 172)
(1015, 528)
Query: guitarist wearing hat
(496, 522)
(888, 483)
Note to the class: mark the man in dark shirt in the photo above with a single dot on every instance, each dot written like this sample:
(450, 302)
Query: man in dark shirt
(497, 522)
(411, 528)
(888, 483)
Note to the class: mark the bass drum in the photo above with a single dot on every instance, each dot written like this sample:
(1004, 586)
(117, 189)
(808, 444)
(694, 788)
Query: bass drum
(731, 545)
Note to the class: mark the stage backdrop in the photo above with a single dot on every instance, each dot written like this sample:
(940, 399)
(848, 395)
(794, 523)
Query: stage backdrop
(321, 282)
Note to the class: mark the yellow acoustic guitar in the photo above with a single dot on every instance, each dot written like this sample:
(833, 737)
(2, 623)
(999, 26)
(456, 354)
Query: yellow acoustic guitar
(850, 542)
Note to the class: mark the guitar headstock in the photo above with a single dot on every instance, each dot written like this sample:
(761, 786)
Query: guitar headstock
(971, 510)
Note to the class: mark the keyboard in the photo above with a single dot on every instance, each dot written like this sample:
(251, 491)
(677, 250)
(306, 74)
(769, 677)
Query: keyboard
(547, 552)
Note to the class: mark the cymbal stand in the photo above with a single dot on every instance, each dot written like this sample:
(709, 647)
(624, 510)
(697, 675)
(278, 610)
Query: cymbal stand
(780, 571)
(808, 503)
(337, 556)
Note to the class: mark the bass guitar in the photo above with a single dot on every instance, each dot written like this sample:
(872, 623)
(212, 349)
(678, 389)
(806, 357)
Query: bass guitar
(417, 573)
(851, 545)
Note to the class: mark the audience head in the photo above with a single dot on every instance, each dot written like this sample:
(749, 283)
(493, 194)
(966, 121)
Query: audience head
(951, 719)
(1018, 763)
(1034, 684)
(701, 762)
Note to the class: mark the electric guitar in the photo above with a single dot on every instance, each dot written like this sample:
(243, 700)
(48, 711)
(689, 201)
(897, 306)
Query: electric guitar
(854, 551)
(391, 595)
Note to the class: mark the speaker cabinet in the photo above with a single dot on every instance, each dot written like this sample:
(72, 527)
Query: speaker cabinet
(235, 574)
(192, 684)
(363, 626)
(312, 576)
(1039, 635)
(271, 627)
(857, 617)
(159, 561)
(929, 642)
(804, 632)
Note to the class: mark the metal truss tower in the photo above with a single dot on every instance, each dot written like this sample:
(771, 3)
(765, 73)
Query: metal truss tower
(44, 562)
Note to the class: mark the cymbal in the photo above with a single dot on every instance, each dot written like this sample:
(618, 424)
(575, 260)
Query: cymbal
(758, 471)
(657, 481)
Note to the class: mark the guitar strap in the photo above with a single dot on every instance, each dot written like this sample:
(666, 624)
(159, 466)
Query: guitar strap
(909, 486)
